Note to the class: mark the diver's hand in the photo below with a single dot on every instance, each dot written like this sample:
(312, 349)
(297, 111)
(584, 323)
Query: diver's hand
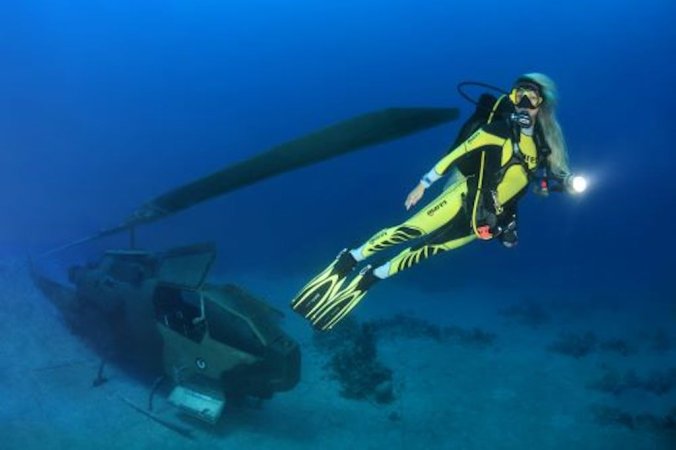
(415, 196)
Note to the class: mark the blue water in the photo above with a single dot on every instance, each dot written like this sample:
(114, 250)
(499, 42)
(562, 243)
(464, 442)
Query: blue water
(108, 104)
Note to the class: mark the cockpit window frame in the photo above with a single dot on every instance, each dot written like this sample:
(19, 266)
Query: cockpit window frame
(234, 339)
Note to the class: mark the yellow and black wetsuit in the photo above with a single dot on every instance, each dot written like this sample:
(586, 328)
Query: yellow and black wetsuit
(450, 220)
(496, 163)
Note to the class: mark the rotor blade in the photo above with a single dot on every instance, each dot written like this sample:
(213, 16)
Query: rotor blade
(343, 137)
(338, 139)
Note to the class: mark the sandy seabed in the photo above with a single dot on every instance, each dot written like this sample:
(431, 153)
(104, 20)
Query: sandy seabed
(514, 394)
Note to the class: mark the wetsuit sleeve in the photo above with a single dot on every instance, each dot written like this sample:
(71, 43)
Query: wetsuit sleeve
(480, 139)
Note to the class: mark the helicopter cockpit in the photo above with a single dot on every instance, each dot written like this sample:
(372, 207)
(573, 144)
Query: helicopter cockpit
(181, 310)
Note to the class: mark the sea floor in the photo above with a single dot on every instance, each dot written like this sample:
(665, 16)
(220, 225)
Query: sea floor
(582, 372)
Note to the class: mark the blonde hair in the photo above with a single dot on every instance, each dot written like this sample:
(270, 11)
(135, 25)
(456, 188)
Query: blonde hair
(558, 158)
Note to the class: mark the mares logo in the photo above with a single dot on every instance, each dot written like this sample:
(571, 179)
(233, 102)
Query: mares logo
(436, 208)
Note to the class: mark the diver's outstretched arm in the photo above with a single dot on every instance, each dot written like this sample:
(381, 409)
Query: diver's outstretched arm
(480, 139)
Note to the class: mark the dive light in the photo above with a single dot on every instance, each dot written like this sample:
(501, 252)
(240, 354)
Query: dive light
(577, 184)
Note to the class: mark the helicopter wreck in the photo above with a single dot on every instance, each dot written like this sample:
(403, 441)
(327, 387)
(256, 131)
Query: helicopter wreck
(154, 312)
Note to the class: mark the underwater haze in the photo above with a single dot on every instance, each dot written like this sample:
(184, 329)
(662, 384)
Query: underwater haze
(108, 104)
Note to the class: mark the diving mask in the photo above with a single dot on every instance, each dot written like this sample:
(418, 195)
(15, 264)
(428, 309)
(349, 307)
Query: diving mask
(526, 95)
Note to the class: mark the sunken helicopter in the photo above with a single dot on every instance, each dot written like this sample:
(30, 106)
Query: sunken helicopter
(157, 311)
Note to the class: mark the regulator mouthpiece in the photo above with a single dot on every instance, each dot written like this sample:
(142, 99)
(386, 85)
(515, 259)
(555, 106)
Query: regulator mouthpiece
(522, 119)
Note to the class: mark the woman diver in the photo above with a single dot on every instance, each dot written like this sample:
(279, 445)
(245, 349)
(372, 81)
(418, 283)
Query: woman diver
(519, 137)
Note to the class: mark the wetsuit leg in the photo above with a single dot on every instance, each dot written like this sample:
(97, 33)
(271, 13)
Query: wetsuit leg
(430, 247)
(432, 217)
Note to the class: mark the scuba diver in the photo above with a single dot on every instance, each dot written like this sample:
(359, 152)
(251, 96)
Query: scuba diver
(507, 143)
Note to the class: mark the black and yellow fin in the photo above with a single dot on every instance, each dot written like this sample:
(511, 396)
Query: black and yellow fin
(314, 296)
(339, 306)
